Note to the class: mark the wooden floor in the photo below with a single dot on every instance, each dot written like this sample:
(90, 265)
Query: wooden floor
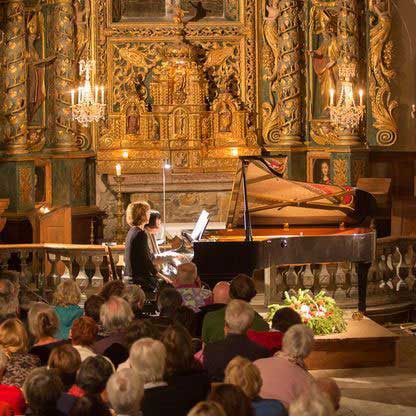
(364, 344)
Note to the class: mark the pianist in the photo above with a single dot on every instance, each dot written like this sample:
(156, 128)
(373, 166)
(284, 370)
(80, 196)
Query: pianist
(138, 258)
(152, 229)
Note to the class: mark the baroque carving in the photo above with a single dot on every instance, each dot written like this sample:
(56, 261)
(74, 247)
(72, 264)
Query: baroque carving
(340, 172)
(15, 103)
(25, 186)
(381, 73)
(358, 170)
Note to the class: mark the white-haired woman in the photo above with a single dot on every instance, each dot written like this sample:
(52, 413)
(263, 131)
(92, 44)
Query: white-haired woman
(284, 375)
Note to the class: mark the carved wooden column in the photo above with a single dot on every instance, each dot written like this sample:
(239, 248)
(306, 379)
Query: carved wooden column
(63, 31)
(15, 101)
(348, 38)
(289, 76)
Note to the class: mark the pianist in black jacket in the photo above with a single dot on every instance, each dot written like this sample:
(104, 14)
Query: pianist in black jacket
(137, 256)
(239, 317)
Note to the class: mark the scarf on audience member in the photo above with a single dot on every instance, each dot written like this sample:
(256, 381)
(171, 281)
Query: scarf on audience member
(294, 360)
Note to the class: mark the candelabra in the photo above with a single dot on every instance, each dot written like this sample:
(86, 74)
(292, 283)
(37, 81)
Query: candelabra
(88, 107)
(120, 234)
(346, 113)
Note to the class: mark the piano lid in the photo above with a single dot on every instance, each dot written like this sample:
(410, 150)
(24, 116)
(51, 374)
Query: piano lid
(273, 200)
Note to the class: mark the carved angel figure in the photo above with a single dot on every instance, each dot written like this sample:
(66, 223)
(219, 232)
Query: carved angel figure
(326, 56)
(271, 36)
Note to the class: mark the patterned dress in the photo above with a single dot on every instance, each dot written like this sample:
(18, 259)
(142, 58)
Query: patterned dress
(18, 368)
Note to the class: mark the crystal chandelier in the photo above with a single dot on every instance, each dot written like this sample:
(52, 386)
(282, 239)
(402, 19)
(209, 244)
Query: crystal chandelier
(90, 104)
(346, 113)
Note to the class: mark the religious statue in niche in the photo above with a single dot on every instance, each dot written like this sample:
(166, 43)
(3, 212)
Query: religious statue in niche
(36, 67)
(325, 57)
(82, 25)
(225, 118)
(321, 172)
(132, 120)
(180, 124)
(155, 130)
(179, 91)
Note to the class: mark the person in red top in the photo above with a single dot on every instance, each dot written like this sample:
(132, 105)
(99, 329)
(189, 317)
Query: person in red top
(10, 395)
(282, 320)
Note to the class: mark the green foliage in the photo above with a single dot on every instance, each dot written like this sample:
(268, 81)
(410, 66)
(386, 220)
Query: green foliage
(319, 312)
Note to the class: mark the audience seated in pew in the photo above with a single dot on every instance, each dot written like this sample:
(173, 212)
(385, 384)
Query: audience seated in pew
(66, 361)
(312, 402)
(232, 399)
(241, 288)
(169, 301)
(9, 296)
(135, 297)
(83, 335)
(207, 408)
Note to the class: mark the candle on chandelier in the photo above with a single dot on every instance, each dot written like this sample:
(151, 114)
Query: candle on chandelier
(118, 169)
(332, 96)
(102, 94)
(72, 97)
(361, 93)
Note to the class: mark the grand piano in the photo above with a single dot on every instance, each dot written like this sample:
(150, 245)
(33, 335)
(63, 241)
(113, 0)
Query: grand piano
(274, 222)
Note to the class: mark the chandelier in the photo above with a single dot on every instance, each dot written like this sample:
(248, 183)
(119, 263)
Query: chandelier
(90, 100)
(346, 113)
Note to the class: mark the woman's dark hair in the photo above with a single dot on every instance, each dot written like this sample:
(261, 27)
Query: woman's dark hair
(92, 307)
(169, 301)
(179, 351)
(154, 216)
(93, 374)
(186, 317)
(232, 399)
(65, 360)
(42, 389)
(242, 288)
(112, 288)
(90, 405)
(140, 329)
(284, 318)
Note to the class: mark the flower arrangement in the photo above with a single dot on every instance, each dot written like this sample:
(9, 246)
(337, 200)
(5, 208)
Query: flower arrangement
(320, 312)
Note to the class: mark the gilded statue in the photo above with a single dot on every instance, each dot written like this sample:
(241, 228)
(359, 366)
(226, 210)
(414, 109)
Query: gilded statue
(326, 56)
(271, 36)
(381, 73)
(36, 68)
(82, 25)
(180, 128)
(132, 120)
(155, 136)
(225, 118)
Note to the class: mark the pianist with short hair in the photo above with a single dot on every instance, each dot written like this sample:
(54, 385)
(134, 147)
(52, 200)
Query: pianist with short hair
(138, 257)
(152, 228)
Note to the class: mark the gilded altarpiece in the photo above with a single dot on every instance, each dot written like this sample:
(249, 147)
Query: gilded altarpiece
(180, 87)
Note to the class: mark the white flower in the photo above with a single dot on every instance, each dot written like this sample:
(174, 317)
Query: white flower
(305, 309)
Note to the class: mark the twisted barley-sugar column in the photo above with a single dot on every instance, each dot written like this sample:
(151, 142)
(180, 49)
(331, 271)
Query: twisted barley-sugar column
(15, 100)
(348, 39)
(63, 31)
(289, 76)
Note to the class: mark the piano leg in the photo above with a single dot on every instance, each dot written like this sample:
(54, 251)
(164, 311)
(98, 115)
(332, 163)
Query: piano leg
(362, 286)
(270, 280)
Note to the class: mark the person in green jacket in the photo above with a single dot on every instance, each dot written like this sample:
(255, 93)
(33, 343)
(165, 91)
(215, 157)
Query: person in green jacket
(242, 288)
(66, 298)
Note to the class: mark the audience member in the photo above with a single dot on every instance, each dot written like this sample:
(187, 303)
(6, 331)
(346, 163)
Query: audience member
(83, 336)
(115, 315)
(90, 406)
(65, 360)
(15, 343)
(232, 399)
(312, 403)
(207, 408)
(238, 319)
(112, 288)
(220, 299)
(66, 298)
(148, 357)
(187, 283)
(92, 377)
(282, 320)
(43, 325)
(182, 372)
(329, 387)
(288, 366)
(187, 318)
(135, 297)
(244, 374)
(9, 298)
(125, 392)
(42, 389)
(168, 302)
(138, 330)
(92, 307)
(11, 395)
(241, 288)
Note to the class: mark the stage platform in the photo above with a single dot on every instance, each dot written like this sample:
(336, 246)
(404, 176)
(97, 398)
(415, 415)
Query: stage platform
(364, 344)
